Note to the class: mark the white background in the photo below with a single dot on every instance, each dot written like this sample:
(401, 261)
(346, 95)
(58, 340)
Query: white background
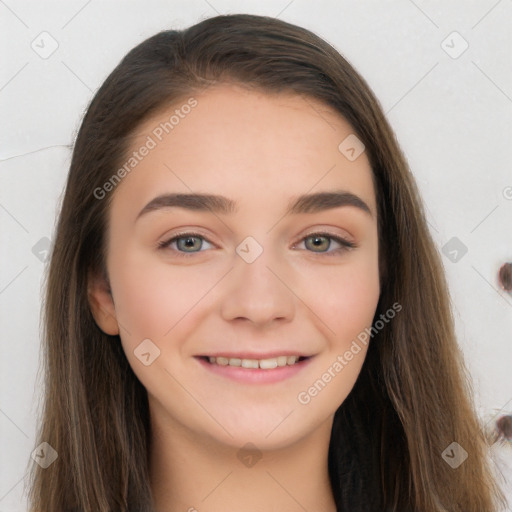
(452, 117)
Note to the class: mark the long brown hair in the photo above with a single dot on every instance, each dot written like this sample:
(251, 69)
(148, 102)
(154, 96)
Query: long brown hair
(412, 398)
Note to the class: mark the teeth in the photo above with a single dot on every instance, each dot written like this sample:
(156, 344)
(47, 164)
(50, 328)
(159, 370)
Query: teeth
(264, 364)
(268, 364)
(249, 363)
(282, 360)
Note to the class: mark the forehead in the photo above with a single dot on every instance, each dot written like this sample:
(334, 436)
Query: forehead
(248, 144)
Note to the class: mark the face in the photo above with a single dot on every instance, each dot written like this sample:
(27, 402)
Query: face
(252, 279)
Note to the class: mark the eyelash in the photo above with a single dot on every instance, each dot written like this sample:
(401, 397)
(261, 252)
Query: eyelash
(346, 245)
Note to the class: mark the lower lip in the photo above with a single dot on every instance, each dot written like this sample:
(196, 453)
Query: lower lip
(255, 376)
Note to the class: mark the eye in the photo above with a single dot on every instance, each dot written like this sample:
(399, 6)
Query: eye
(323, 241)
(187, 244)
(183, 242)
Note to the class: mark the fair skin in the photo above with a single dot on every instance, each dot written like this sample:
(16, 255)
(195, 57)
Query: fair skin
(305, 295)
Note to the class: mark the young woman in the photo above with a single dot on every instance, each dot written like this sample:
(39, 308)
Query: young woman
(245, 309)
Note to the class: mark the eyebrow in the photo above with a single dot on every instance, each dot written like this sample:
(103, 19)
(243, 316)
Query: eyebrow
(306, 203)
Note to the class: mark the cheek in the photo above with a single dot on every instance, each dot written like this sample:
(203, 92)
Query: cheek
(346, 307)
(346, 299)
(151, 296)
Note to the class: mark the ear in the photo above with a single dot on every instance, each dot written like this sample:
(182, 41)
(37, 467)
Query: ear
(102, 304)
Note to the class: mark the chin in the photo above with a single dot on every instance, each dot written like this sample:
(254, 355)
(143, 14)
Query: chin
(264, 429)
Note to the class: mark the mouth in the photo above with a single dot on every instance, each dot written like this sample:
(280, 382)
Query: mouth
(268, 363)
(250, 369)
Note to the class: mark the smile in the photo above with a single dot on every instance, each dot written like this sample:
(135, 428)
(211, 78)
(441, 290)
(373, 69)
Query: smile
(264, 364)
(249, 370)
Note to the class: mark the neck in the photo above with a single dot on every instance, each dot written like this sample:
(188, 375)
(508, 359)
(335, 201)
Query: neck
(197, 474)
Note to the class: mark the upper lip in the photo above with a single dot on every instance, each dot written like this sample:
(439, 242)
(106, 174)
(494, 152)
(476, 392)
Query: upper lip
(254, 355)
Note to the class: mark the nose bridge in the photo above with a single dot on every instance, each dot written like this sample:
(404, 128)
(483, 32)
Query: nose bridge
(257, 291)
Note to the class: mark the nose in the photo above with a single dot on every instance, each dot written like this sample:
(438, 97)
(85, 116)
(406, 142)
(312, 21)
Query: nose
(258, 292)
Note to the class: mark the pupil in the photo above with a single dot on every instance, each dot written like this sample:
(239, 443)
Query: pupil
(318, 240)
(189, 242)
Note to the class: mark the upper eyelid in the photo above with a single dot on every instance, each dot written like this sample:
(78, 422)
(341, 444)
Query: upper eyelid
(197, 231)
